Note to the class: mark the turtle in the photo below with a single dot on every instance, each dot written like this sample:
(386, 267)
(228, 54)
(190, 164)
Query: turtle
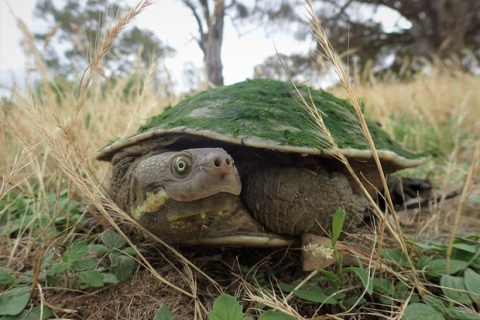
(246, 165)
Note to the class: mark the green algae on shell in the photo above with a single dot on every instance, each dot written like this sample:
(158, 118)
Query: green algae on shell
(268, 114)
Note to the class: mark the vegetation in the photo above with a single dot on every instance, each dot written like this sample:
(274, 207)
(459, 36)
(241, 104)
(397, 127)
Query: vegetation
(232, 102)
(76, 26)
(425, 31)
(54, 263)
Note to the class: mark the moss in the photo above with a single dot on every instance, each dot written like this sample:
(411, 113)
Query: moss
(272, 110)
(153, 203)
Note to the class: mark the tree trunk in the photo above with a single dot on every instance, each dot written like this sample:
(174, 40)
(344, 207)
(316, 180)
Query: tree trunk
(210, 41)
(212, 45)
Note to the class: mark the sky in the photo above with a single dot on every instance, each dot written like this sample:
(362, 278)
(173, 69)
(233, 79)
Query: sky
(174, 24)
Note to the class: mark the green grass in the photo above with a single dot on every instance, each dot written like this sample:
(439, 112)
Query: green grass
(50, 179)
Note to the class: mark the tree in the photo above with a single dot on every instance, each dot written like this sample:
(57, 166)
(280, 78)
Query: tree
(210, 27)
(210, 17)
(442, 28)
(281, 66)
(78, 26)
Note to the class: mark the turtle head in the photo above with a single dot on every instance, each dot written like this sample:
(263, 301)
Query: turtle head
(187, 175)
(192, 197)
(181, 194)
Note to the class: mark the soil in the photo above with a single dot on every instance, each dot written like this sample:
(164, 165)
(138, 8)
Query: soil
(142, 295)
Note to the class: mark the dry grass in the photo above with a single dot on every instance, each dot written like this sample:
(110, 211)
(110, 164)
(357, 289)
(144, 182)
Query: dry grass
(51, 133)
(436, 111)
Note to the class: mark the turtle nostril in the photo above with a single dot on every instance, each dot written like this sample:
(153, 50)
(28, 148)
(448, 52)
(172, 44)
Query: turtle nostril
(228, 162)
(217, 162)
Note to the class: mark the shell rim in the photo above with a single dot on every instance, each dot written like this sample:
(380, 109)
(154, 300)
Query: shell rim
(107, 153)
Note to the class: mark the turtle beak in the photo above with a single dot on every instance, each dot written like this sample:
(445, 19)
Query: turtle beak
(213, 171)
(222, 173)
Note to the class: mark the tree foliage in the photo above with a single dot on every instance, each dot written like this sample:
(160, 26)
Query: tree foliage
(77, 26)
(447, 29)
(443, 28)
(210, 16)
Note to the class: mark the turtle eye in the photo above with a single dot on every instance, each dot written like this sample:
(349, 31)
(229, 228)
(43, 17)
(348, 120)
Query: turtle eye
(181, 164)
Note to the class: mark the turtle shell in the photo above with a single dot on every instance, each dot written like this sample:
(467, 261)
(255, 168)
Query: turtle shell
(266, 114)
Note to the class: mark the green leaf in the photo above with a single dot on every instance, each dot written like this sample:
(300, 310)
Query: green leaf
(354, 300)
(33, 314)
(466, 247)
(36, 311)
(329, 274)
(395, 255)
(226, 307)
(422, 262)
(275, 315)
(76, 251)
(474, 198)
(438, 267)
(92, 278)
(415, 311)
(164, 314)
(362, 274)
(130, 251)
(47, 260)
(472, 284)
(461, 314)
(462, 255)
(27, 277)
(5, 278)
(337, 224)
(335, 294)
(402, 292)
(85, 264)
(330, 277)
(98, 248)
(454, 288)
(14, 301)
(436, 303)
(54, 280)
(476, 263)
(433, 246)
(315, 296)
(287, 287)
(60, 267)
(123, 266)
(110, 278)
(113, 240)
(382, 285)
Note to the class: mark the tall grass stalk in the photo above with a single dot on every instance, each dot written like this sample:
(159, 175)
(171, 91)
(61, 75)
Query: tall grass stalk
(50, 134)
(466, 188)
(61, 130)
(331, 56)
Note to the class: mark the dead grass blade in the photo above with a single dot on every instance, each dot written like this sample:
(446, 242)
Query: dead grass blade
(466, 188)
(330, 55)
(102, 50)
(63, 140)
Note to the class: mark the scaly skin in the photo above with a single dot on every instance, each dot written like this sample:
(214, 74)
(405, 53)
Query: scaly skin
(188, 197)
(294, 200)
(193, 197)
